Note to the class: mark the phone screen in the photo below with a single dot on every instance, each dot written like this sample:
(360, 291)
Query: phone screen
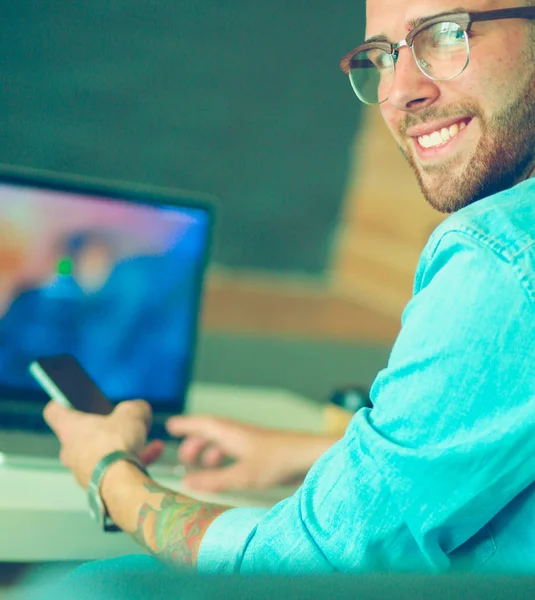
(64, 379)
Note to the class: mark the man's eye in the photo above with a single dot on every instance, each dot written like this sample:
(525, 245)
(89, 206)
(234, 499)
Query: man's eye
(446, 35)
(381, 60)
(449, 39)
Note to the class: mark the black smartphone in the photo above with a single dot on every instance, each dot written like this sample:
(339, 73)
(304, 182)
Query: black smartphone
(65, 381)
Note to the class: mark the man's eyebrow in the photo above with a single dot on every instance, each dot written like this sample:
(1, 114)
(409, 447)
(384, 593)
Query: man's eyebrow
(413, 23)
(376, 38)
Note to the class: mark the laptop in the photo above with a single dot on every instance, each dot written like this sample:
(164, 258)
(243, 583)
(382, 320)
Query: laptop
(109, 272)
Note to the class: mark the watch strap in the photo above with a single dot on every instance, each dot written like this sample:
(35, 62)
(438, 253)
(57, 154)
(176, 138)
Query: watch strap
(98, 475)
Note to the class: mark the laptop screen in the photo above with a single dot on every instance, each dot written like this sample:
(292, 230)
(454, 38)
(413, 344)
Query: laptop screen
(114, 282)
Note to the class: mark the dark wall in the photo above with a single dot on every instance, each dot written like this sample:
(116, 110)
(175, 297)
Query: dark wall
(311, 368)
(239, 98)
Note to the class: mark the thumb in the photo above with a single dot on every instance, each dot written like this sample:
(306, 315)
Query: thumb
(59, 418)
(139, 409)
(219, 480)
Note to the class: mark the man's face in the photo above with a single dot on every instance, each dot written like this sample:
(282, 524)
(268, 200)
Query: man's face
(492, 102)
(93, 266)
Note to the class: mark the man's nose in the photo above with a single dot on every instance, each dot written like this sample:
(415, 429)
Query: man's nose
(411, 89)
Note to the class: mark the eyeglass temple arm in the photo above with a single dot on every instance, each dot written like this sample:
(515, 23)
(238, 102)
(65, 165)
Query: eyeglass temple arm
(519, 12)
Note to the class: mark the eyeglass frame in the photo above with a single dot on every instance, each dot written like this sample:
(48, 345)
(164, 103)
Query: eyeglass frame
(463, 19)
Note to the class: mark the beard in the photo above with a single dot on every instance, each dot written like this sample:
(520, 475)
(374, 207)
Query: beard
(503, 157)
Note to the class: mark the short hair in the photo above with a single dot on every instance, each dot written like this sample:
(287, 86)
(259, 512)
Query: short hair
(76, 243)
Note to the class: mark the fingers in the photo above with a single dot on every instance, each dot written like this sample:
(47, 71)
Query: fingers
(152, 452)
(205, 426)
(57, 416)
(191, 449)
(135, 408)
(212, 457)
(53, 411)
(230, 436)
(199, 452)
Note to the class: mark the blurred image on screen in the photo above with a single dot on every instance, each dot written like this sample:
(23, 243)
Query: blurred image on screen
(112, 282)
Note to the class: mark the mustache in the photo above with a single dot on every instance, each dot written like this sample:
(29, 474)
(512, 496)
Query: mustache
(434, 114)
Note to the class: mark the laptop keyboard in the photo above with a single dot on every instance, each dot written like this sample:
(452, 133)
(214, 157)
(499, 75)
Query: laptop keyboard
(23, 421)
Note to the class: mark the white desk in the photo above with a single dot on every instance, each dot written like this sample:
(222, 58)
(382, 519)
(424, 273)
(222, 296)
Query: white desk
(43, 513)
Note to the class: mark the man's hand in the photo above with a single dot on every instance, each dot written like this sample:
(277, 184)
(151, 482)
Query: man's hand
(170, 526)
(261, 457)
(86, 438)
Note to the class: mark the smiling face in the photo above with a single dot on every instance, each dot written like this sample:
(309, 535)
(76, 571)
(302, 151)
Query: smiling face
(474, 135)
(93, 266)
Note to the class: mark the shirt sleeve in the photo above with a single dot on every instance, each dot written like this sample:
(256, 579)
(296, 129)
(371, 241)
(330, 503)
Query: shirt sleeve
(449, 442)
(223, 543)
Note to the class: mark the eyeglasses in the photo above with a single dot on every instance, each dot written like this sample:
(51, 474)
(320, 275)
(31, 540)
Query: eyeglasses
(440, 46)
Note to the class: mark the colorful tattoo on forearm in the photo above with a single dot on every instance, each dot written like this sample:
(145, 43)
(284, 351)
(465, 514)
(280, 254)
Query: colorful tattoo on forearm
(173, 525)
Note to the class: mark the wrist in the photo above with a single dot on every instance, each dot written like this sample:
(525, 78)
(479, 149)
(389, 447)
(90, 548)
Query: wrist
(121, 483)
(118, 473)
(305, 449)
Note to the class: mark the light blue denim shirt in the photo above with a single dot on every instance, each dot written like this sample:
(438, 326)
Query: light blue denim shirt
(440, 473)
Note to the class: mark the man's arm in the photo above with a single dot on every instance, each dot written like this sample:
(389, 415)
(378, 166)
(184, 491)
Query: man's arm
(448, 445)
(169, 525)
(261, 457)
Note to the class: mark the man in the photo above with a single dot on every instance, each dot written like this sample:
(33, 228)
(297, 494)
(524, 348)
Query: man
(440, 473)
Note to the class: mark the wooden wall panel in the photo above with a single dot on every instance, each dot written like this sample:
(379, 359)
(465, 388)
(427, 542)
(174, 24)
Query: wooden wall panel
(280, 307)
(385, 225)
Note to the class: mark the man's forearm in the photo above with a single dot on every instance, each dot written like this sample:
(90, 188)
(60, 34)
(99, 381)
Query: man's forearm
(304, 449)
(169, 525)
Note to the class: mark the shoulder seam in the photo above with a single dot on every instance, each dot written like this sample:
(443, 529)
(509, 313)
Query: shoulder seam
(500, 251)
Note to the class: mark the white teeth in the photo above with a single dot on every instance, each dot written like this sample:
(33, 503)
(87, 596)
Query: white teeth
(441, 137)
(425, 141)
(436, 138)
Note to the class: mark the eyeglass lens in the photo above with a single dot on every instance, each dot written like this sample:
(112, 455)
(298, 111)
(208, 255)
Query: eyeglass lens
(441, 52)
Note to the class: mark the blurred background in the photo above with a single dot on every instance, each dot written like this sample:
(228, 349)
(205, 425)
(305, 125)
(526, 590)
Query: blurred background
(320, 223)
